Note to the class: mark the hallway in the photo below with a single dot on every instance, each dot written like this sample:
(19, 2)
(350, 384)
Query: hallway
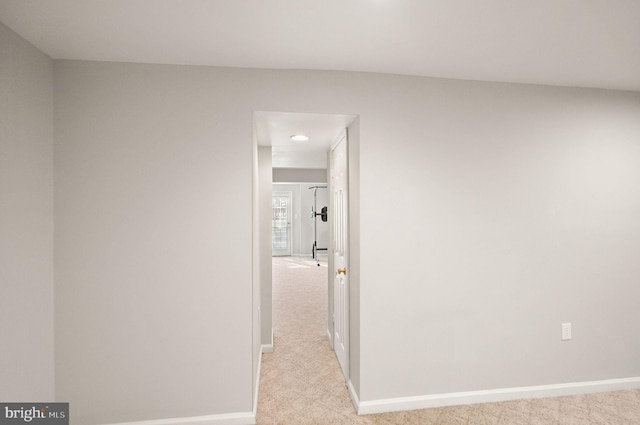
(301, 381)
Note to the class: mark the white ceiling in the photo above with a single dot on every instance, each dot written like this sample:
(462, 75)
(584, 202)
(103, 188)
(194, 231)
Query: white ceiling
(276, 128)
(590, 43)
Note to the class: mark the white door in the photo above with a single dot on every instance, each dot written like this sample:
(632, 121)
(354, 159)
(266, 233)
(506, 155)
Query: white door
(340, 248)
(281, 223)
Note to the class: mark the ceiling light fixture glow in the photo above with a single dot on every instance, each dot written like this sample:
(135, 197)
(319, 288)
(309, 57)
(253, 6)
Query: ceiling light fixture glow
(299, 138)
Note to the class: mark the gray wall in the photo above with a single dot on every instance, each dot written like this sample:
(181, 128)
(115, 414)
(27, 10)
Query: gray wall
(153, 242)
(511, 209)
(256, 266)
(26, 221)
(489, 214)
(264, 154)
(308, 175)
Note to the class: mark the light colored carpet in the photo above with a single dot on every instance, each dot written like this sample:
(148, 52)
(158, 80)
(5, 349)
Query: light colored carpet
(301, 382)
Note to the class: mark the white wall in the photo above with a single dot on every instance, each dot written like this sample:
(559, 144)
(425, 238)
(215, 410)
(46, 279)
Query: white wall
(489, 214)
(26, 221)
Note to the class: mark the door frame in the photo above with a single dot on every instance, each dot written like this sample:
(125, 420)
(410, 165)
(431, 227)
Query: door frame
(262, 255)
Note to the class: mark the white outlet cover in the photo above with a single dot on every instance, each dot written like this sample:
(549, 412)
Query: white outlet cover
(566, 331)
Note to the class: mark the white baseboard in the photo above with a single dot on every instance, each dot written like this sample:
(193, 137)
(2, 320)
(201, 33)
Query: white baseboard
(241, 418)
(487, 396)
(354, 396)
(257, 390)
(330, 338)
(268, 348)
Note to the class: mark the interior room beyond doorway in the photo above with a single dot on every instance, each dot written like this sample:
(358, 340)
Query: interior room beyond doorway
(295, 226)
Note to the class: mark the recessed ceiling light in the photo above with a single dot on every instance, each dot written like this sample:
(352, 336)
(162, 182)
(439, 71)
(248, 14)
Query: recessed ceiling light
(299, 138)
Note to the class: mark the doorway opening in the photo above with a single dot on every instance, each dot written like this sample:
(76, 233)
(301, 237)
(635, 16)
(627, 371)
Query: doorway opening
(302, 228)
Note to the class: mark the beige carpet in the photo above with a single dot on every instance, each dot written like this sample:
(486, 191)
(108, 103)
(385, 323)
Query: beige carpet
(301, 382)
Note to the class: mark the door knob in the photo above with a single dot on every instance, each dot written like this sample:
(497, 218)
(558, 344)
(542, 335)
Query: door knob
(342, 271)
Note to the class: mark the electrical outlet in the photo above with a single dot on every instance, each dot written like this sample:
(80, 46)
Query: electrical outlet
(566, 331)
